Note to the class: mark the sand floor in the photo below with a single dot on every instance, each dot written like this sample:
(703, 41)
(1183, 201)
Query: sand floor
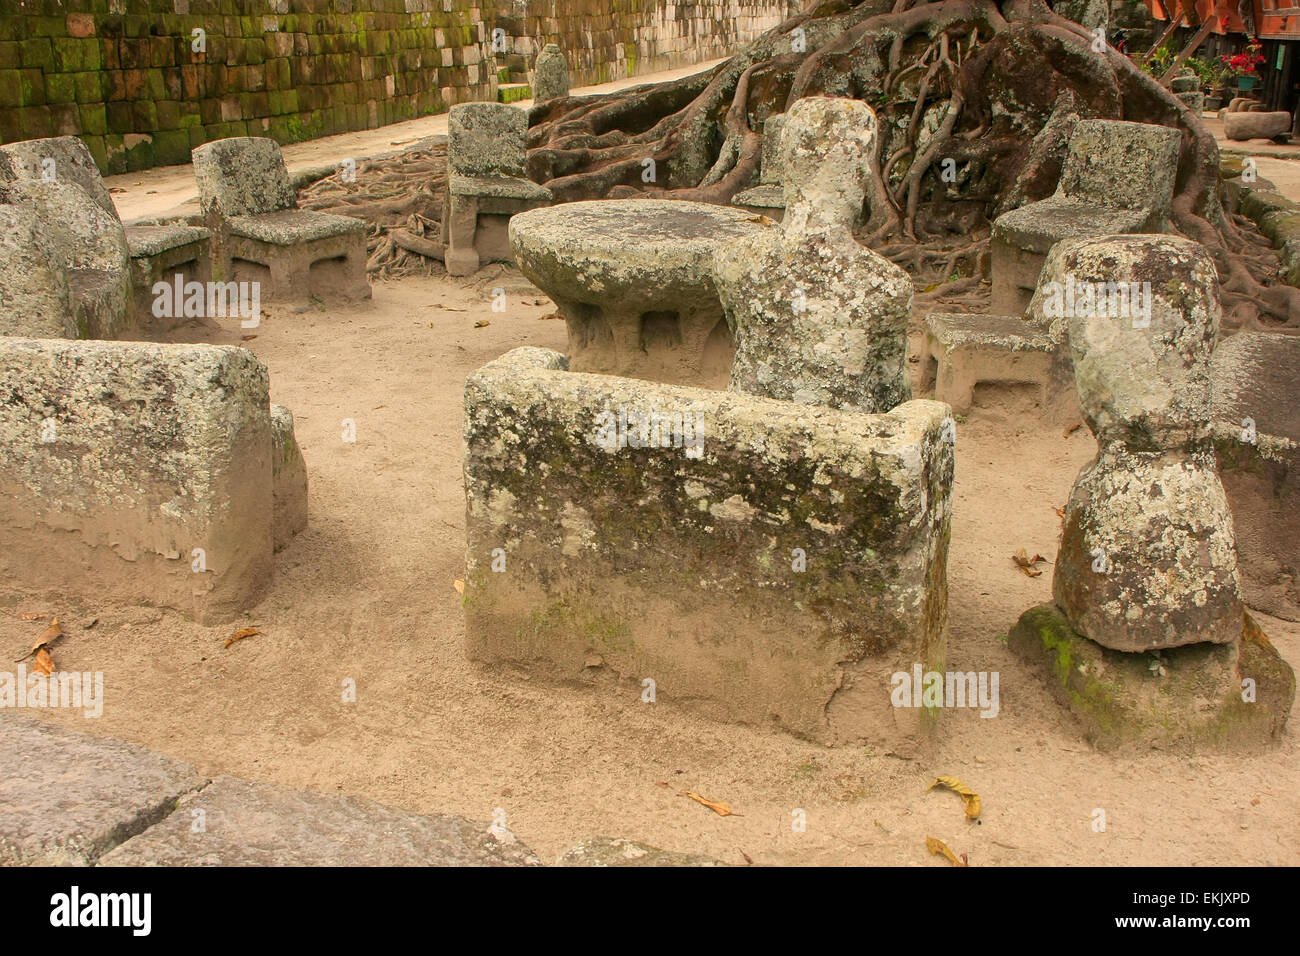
(366, 592)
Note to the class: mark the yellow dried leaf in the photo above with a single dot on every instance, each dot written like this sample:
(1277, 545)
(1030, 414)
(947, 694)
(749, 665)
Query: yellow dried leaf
(1025, 563)
(481, 323)
(459, 585)
(48, 636)
(44, 664)
(971, 798)
(939, 848)
(241, 634)
(721, 809)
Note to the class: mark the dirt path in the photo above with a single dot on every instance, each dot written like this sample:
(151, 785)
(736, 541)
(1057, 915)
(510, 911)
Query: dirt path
(367, 593)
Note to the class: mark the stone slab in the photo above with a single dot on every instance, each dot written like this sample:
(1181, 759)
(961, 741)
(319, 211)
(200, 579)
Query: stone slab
(616, 851)
(66, 797)
(257, 824)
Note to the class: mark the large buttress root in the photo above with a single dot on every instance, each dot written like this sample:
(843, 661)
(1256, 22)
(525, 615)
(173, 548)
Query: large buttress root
(961, 88)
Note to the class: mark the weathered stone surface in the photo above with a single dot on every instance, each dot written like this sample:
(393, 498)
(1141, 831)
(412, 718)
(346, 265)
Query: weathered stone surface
(1118, 177)
(761, 561)
(634, 281)
(819, 319)
(486, 139)
(67, 797)
(242, 176)
(962, 351)
(1256, 377)
(288, 478)
(1143, 380)
(123, 458)
(34, 296)
(1124, 701)
(291, 227)
(772, 162)
(89, 244)
(1147, 555)
(550, 74)
(1185, 83)
(769, 194)
(1253, 125)
(1123, 165)
(259, 234)
(258, 824)
(57, 159)
(616, 851)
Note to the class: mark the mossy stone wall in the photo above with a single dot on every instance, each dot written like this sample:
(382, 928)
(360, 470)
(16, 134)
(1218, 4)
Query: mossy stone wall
(135, 81)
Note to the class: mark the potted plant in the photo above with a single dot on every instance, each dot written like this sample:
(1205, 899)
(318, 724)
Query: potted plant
(1244, 65)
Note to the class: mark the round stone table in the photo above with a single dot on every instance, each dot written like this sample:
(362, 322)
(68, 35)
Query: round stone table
(633, 280)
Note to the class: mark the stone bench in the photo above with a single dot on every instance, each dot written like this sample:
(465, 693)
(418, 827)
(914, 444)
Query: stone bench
(1118, 177)
(141, 473)
(962, 351)
(761, 561)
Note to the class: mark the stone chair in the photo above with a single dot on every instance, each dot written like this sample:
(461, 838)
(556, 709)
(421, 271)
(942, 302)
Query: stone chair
(64, 266)
(1118, 177)
(767, 198)
(486, 184)
(157, 251)
(962, 351)
(259, 233)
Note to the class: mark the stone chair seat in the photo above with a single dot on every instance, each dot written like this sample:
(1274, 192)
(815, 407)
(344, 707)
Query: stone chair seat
(148, 241)
(1039, 226)
(498, 187)
(963, 350)
(290, 227)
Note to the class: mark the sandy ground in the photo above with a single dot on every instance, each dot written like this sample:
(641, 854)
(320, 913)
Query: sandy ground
(366, 592)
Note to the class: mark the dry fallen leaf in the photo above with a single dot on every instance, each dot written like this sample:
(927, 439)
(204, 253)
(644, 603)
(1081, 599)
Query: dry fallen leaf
(247, 338)
(762, 220)
(748, 859)
(1026, 563)
(661, 783)
(459, 585)
(445, 308)
(971, 798)
(1071, 429)
(721, 809)
(241, 634)
(549, 315)
(47, 636)
(481, 323)
(939, 848)
(44, 664)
